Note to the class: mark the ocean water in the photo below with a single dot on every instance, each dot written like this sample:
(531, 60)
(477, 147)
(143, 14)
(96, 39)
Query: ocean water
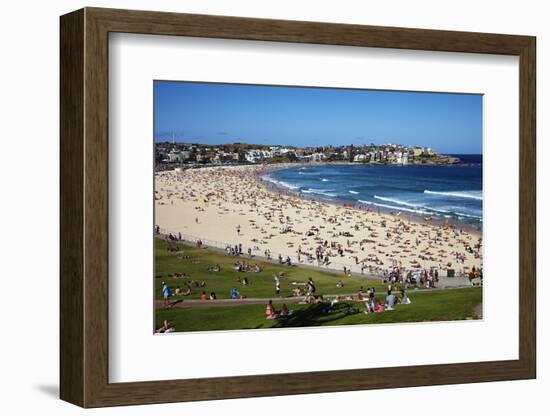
(452, 193)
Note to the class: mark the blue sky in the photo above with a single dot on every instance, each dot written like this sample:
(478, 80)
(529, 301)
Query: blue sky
(224, 113)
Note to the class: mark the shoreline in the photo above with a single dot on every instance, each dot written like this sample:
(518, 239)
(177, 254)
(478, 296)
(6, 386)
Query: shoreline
(166, 167)
(418, 218)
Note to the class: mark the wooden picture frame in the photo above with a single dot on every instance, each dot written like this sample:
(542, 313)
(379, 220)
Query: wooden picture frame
(84, 207)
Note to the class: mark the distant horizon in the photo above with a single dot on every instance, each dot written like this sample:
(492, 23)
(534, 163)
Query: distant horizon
(217, 114)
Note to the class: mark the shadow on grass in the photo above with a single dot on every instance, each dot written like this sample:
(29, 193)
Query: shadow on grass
(315, 315)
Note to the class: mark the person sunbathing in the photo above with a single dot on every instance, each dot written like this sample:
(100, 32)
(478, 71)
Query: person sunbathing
(316, 299)
(297, 291)
(180, 292)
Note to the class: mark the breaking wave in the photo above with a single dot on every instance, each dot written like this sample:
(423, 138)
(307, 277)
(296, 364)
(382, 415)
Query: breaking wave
(325, 192)
(280, 183)
(477, 195)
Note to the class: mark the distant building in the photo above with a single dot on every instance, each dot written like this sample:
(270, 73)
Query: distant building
(254, 156)
(174, 156)
(417, 151)
(398, 157)
(318, 157)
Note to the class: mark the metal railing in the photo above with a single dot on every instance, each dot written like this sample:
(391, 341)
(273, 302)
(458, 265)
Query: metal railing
(354, 269)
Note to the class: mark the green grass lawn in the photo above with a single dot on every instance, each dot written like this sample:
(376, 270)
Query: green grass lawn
(195, 263)
(443, 305)
(427, 305)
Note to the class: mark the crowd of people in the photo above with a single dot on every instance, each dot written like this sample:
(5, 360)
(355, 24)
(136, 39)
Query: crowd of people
(372, 303)
(325, 234)
(245, 267)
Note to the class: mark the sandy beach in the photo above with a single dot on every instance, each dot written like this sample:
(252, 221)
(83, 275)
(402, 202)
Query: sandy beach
(230, 205)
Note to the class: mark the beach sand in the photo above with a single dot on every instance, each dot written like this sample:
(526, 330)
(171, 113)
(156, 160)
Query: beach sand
(231, 205)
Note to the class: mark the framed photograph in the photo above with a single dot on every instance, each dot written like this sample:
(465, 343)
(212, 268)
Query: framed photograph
(255, 207)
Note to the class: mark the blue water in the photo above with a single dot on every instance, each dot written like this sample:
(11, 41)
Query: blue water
(452, 193)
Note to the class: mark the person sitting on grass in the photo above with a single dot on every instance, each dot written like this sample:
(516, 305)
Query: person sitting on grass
(284, 311)
(390, 301)
(379, 307)
(166, 293)
(340, 284)
(212, 296)
(198, 283)
(369, 306)
(270, 312)
(318, 299)
(404, 299)
(203, 296)
(371, 294)
(180, 292)
(234, 294)
(297, 291)
(165, 328)
(215, 268)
